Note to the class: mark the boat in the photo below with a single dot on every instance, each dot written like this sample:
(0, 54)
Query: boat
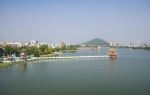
(112, 53)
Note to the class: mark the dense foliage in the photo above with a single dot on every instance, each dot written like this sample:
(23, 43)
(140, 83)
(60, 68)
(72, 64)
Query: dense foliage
(36, 51)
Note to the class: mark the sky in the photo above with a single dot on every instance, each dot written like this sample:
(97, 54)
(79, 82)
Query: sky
(74, 21)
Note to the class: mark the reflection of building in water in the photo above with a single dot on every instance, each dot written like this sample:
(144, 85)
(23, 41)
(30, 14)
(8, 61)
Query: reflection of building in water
(112, 60)
(112, 68)
(23, 67)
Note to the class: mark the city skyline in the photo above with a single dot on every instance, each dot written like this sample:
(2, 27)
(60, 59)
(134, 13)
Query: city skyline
(74, 21)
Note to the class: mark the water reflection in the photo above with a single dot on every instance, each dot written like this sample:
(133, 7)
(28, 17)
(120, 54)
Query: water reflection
(112, 60)
(22, 67)
(112, 68)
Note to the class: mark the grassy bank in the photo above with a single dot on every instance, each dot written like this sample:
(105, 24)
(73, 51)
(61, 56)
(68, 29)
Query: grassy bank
(4, 65)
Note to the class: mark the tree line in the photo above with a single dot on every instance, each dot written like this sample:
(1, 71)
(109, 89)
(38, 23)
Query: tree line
(36, 51)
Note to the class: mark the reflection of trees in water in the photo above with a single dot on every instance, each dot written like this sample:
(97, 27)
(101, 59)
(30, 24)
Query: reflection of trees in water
(23, 67)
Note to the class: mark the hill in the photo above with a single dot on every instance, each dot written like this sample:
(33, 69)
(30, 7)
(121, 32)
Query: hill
(96, 42)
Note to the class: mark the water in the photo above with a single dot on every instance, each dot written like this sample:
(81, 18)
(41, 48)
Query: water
(129, 74)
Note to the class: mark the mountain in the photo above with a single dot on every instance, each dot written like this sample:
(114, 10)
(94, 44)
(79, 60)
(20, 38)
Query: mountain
(96, 42)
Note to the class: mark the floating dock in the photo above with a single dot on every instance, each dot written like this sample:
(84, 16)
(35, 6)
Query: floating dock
(73, 57)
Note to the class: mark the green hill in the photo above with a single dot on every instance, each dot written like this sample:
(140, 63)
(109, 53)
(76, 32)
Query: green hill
(96, 42)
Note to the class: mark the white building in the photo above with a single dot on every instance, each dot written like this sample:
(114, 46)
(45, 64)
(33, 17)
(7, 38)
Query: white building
(33, 43)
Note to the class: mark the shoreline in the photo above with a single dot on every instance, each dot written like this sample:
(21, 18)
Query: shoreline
(4, 65)
(10, 63)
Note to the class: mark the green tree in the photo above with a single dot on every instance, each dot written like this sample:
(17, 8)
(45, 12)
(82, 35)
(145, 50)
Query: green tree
(72, 47)
(43, 49)
(50, 50)
(32, 51)
(9, 50)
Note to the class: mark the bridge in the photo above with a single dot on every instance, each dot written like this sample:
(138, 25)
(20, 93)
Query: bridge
(73, 57)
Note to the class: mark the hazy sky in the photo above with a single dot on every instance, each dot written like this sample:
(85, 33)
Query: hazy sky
(74, 21)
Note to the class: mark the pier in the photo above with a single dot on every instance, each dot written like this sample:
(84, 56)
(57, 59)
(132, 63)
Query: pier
(74, 57)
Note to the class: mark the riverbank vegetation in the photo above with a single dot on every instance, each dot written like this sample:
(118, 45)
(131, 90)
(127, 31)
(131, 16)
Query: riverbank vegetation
(38, 51)
(146, 48)
(5, 65)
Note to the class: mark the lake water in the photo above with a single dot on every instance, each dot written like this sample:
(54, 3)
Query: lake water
(129, 74)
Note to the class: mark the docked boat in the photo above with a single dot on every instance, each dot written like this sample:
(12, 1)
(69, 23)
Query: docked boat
(112, 53)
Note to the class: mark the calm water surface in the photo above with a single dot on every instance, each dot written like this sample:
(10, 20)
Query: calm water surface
(129, 74)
